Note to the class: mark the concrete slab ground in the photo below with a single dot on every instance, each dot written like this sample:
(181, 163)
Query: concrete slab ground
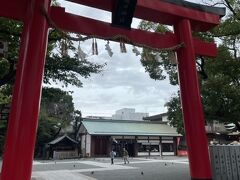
(167, 168)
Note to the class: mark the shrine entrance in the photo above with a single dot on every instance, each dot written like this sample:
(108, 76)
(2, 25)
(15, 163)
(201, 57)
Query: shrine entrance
(38, 16)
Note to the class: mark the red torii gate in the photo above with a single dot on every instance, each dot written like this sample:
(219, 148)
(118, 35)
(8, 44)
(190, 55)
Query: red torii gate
(184, 16)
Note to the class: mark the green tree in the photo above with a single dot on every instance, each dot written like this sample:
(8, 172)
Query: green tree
(62, 61)
(56, 114)
(175, 113)
(63, 65)
(57, 103)
(219, 77)
(3, 124)
(5, 97)
(76, 123)
(156, 63)
(221, 91)
(48, 127)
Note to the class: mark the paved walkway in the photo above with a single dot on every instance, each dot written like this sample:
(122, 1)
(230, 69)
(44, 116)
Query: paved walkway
(101, 169)
(163, 168)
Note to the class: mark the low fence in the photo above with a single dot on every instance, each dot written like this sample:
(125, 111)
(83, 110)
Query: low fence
(65, 154)
(225, 160)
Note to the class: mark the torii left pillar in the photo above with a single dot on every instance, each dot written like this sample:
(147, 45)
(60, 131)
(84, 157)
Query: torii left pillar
(23, 120)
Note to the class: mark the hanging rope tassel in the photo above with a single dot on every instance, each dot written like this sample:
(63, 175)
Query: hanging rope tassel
(158, 58)
(64, 47)
(96, 47)
(81, 54)
(172, 58)
(93, 47)
(109, 50)
(123, 47)
(136, 51)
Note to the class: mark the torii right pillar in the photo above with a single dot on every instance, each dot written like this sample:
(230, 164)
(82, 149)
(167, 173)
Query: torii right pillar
(191, 104)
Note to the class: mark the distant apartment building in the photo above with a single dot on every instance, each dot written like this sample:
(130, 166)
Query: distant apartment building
(129, 114)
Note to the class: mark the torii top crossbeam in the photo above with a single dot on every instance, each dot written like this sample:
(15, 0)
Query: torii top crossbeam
(202, 18)
(38, 16)
(166, 12)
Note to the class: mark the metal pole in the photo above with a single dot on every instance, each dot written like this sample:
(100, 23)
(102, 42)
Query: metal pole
(23, 120)
(191, 104)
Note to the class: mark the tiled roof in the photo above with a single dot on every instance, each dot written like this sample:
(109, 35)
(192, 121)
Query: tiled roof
(125, 127)
(57, 140)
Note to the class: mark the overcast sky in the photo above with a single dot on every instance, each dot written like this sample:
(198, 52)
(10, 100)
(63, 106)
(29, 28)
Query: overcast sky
(123, 82)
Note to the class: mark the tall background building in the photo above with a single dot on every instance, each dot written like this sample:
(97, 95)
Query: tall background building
(129, 114)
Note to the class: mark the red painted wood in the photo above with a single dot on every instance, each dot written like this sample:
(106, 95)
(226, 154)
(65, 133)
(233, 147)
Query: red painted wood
(13, 9)
(16, 10)
(154, 10)
(23, 120)
(19, 149)
(78, 24)
(162, 12)
(106, 5)
(204, 48)
(170, 14)
(83, 25)
(191, 105)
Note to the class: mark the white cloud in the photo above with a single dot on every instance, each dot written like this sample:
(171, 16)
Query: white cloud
(123, 83)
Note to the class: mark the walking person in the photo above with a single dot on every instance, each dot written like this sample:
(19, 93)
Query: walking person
(125, 156)
(112, 155)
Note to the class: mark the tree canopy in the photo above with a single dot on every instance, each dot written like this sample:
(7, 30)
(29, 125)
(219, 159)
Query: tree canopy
(56, 115)
(219, 77)
(63, 65)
